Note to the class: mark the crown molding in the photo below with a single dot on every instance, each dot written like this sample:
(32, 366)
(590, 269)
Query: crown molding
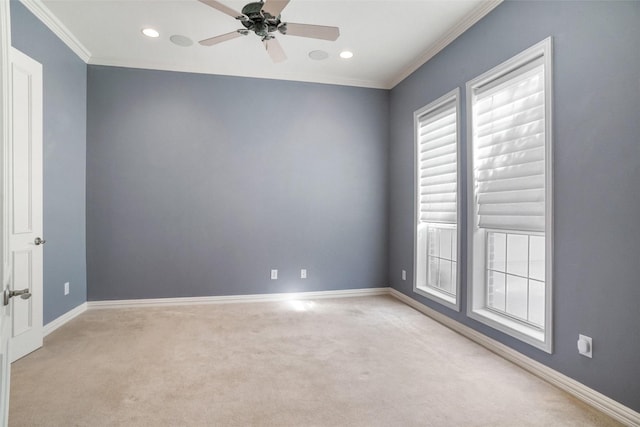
(43, 13)
(293, 77)
(467, 22)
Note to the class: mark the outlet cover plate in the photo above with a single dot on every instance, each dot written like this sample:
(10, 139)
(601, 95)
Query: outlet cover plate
(587, 344)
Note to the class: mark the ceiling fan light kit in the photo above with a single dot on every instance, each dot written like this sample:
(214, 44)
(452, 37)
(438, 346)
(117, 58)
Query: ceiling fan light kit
(263, 19)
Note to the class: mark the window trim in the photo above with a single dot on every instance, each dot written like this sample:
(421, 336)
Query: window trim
(433, 294)
(476, 285)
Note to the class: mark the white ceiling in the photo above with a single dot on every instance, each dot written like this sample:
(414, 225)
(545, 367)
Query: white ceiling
(389, 38)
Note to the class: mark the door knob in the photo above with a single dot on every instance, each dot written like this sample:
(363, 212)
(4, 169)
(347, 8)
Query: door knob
(39, 241)
(8, 294)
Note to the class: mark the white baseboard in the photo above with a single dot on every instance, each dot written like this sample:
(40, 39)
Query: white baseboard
(58, 322)
(228, 299)
(593, 398)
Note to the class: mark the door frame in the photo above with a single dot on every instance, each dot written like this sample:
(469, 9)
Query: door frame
(5, 121)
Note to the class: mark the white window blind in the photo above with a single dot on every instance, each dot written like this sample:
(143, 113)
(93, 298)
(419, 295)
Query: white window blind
(437, 148)
(509, 150)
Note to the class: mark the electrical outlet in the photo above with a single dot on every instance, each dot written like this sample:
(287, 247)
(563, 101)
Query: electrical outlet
(66, 288)
(404, 274)
(303, 273)
(585, 346)
(274, 274)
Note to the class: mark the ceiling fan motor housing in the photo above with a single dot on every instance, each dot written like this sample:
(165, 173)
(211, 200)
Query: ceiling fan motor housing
(260, 22)
(253, 10)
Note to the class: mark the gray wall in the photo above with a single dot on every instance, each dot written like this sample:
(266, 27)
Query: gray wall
(65, 100)
(198, 185)
(596, 181)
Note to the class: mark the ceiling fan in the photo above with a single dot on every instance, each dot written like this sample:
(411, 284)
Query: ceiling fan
(263, 18)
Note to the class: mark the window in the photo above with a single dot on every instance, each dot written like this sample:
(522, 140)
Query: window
(509, 219)
(436, 225)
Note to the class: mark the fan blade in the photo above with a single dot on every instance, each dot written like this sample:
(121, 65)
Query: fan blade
(222, 8)
(274, 49)
(274, 7)
(312, 31)
(220, 38)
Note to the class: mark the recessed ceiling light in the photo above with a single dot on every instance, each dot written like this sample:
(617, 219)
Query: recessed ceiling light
(180, 40)
(318, 55)
(150, 32)
(346, 54)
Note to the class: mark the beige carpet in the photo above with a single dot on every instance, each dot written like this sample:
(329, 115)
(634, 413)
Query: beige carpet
(345, 362)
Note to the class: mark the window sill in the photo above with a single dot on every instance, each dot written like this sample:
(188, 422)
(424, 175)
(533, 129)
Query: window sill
(439, 297)
(530, 335)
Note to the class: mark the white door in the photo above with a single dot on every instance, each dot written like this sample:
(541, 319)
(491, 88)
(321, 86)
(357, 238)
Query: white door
(25, 205)
(5, 321)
